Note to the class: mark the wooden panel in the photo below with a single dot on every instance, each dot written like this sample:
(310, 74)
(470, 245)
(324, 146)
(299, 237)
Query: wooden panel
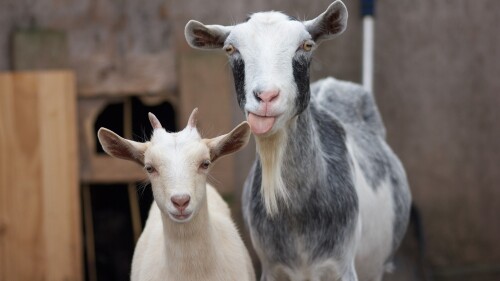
(105, 169)
(205, 83)
(39, 215)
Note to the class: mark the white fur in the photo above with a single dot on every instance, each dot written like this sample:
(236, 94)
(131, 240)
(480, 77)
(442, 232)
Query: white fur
(273, 188)
(377, 231)
(264, 70)
(210, 250)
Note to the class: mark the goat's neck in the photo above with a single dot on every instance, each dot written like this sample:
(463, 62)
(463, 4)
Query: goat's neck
(190, 243)
(290, 159)
(303, 161)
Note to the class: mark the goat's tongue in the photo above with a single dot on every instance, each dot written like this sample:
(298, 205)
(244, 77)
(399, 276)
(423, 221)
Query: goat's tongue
(260, 124)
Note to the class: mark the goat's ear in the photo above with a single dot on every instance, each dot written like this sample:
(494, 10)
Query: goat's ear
(329, 24)
(202, 36)
(229, 143)
(119, 147)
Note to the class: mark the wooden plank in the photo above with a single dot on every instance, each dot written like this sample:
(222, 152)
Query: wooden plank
(21, 169)
(5, 122)
(105, 169)
(205, 83)
(40, 215)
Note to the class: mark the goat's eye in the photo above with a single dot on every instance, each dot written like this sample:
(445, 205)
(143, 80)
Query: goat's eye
(307, 45)
(150, 169)
(205, 164)
(229, 49)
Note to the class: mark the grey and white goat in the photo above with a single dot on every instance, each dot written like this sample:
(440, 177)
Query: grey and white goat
(189, 234)
(326, 199)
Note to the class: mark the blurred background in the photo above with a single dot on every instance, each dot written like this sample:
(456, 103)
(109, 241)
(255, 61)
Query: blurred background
(69, 67)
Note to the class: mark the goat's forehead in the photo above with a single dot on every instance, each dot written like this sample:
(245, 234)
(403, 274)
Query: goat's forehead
(162, 137)
(270, 17)
(265, 26)
(186, 143)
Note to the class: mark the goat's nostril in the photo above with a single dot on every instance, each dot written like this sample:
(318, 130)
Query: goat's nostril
(180, 201)
(268, 96)
(256, 95)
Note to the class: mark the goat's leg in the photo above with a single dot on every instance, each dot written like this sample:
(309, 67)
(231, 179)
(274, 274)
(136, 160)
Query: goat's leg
(350, 274)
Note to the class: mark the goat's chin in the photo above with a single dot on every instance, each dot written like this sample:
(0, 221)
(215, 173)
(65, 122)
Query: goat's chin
(271, 150)
(180, 218)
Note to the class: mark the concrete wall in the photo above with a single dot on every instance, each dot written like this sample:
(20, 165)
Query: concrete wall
(437, 70)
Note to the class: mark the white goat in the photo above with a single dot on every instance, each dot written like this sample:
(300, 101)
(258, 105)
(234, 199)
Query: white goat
(189, 234)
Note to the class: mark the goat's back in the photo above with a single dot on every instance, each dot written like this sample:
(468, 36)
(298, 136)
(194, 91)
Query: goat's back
(379, 177)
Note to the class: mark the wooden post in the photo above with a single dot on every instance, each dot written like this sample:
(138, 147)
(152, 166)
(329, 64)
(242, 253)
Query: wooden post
(215, 99)
(40, 237)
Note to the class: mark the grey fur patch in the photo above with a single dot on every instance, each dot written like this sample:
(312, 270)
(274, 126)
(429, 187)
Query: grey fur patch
(323, 207)
(357, 110)
(272, 229)
(322, 210)
(300, 66)
(238, 67)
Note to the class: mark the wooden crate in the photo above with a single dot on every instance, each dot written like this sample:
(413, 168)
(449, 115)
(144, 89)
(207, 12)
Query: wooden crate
(40, 236)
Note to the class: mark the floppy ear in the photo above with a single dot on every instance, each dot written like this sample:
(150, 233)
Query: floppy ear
(119, 147)
(329, 24)
(229, 143)
(202, 36)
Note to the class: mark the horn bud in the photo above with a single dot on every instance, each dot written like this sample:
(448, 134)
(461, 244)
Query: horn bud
(193, 119)
(155, 123)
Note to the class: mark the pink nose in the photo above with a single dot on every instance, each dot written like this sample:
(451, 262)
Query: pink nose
(180, 201)
(268, 96)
